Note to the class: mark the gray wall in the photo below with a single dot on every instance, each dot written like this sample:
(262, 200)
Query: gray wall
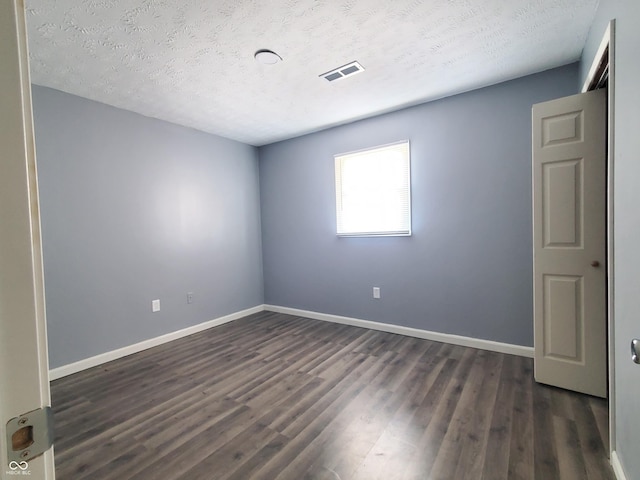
(467, 269)
(135, 209)
(626, 164)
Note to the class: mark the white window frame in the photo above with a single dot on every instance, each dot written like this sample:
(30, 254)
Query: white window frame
(345, 176)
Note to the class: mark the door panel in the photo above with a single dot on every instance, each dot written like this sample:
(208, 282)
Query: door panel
(569, 215)
(562, 191)
(563, 317)
(562, 129)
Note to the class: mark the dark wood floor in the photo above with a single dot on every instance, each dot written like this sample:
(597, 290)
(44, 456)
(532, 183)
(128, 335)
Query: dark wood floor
(273, 396)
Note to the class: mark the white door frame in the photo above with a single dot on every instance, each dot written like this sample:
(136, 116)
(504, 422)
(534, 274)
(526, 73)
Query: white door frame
(608, 42)
(24, 372)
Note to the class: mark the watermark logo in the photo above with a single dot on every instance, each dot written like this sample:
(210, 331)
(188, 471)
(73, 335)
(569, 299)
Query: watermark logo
(18, 468)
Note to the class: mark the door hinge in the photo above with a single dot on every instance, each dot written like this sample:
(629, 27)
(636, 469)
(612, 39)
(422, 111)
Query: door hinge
(29, 435)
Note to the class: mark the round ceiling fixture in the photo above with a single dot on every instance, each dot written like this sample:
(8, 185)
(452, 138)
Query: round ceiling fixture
(267, 57)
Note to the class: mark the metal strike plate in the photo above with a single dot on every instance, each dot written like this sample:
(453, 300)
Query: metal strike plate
(29, 435)
(635, 350)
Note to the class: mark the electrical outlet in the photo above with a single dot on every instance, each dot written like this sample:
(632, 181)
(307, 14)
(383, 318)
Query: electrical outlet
(376, 292)
(155, 306)
(190, 297)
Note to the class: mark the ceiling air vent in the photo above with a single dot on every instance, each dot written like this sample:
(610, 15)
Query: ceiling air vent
(343, 71)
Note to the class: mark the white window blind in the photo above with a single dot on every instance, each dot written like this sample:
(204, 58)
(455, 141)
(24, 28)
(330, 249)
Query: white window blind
(373, 194)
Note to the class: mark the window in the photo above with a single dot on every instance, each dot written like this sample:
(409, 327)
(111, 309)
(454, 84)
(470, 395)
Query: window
(373, 191)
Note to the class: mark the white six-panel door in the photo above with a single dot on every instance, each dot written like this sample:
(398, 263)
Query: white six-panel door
(569, 248)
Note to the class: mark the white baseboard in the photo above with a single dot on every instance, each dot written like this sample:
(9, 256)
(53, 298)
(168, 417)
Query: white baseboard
(86, 363)
(617, 466)
(90, 362)
(411, 332)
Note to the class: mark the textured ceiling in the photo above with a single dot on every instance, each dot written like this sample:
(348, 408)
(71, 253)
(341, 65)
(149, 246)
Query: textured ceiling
(191, 61)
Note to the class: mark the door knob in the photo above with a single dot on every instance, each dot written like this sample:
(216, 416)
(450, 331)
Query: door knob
(635, 350)
(595, 263)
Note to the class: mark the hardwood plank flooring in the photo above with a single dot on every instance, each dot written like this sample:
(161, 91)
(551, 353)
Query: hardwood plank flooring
(274, 396)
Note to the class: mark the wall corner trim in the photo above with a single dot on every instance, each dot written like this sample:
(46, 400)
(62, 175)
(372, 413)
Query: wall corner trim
(617, 466)
(94, 361)
(508, 348)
